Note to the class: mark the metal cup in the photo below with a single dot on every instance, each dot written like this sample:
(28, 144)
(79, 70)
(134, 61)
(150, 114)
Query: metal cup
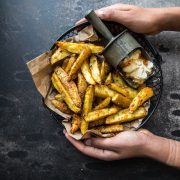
(118, 47)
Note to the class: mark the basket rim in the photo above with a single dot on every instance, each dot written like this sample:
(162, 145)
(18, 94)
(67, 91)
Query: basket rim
(153, 50)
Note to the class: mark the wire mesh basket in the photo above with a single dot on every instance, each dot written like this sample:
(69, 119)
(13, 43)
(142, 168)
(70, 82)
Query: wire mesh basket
(155, 81)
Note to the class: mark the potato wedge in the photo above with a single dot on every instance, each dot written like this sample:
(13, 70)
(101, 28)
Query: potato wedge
(85, 69)
(114, 128)
(100, 114)
(103, 104)
(124, 90)
(87, 106)
(65, 62)
(84, 126)
(121, 100)
(105, 68)
(70, 86)
(59, 55)
(86, 52)
(88, 100)
(94, 67)
(61, 89)
(96, 123)
(82, 85)
(61, 106)
(70, 63)
(143, 95)
(118, 79)
(102, 72)
(103, 91)
(76, 122)
(108, 79)
(77, 48)
(59, 97)
(95, 49)
(125, 116)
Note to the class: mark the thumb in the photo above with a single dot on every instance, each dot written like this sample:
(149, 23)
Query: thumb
(145, 131)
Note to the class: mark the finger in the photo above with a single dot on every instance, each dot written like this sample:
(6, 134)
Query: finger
(81, 21)
(105, 12)
(145, 131)
(103, 143)
(91, 151)
(119, 6)
(113, 15)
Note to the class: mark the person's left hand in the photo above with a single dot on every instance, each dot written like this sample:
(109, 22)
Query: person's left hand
(124, 145)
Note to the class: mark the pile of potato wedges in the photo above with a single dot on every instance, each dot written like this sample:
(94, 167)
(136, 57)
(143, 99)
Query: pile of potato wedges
(89, 89)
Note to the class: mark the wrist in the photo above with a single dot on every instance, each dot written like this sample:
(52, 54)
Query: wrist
(160, 19)
(167, 18)
(157, 148)
(163, 150)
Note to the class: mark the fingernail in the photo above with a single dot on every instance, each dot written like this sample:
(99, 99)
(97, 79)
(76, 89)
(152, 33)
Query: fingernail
(88, 142)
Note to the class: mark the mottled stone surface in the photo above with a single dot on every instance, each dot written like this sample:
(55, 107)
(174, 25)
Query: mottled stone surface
(32, 145)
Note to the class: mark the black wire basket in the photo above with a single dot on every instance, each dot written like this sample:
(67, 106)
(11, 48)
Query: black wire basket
(155, 81)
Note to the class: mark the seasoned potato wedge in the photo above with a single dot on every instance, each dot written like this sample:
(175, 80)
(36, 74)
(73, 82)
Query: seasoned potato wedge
(124, 90)
(61, 89)
(65, 62)
(104, 103)
(125, 116)
(143, 95)
(61, 106)
(118, 79)
(96, 123)
(100, 114)
(105, 68)
(70, 86)
(86, 52)
(95, 71)
(85, 69)
(77, 48)
(103, 91)
(87, 106)
(95, 49)
(102, 71)
(82, 85)
(59, 55)
(59, 97)
(70, 63)
(76, 122)
(121, 100)
(108, 79)
(114, 128)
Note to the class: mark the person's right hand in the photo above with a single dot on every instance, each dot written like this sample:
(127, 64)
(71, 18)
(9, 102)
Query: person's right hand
(137, 19)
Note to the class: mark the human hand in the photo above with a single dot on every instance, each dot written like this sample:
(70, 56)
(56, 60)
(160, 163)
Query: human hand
(124, 145)
(138, 19)
(129, 144)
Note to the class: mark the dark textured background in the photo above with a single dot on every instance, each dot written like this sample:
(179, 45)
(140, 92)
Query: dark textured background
(32, 145)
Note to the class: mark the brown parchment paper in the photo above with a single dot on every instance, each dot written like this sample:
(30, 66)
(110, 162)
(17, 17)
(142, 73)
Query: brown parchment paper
(41, 69)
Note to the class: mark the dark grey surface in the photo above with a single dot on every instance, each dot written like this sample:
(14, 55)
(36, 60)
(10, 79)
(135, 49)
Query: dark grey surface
(32, 145)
